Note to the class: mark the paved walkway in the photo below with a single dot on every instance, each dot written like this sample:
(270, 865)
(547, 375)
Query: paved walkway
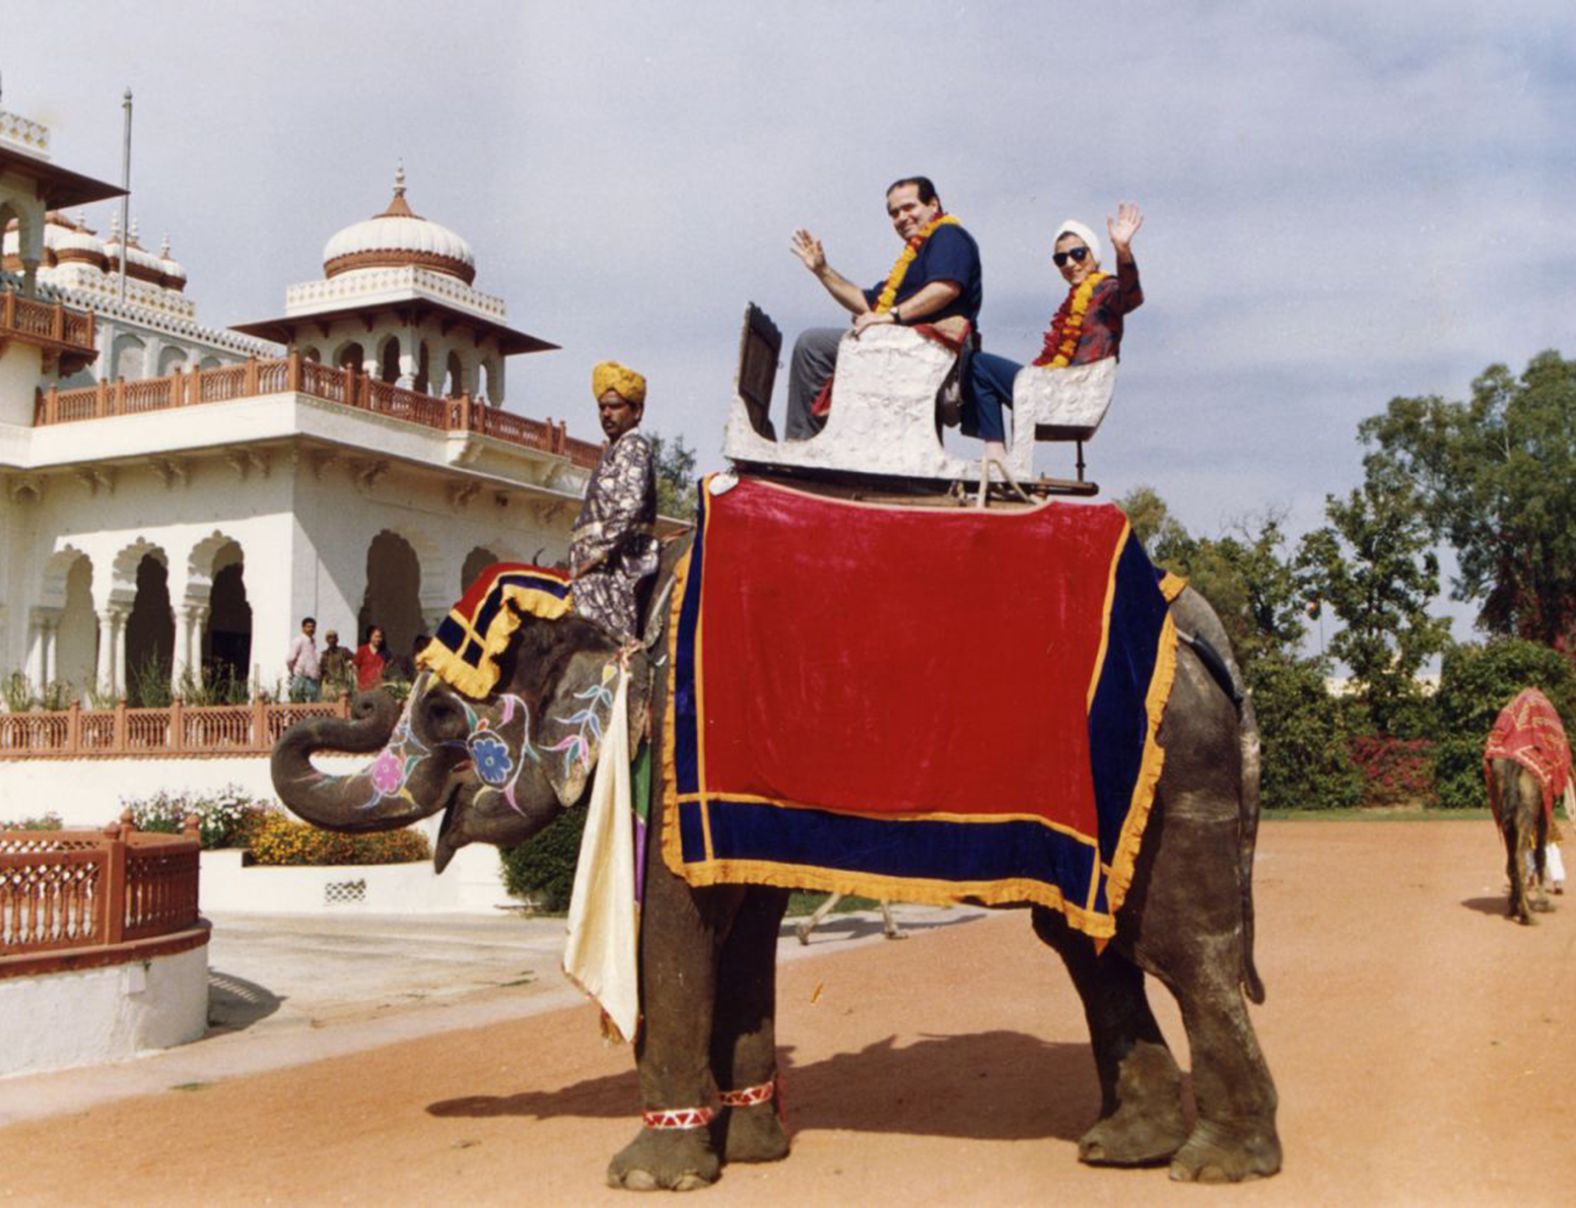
(286, 990)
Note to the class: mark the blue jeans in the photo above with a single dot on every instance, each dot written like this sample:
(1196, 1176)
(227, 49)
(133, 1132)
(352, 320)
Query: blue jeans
(304, 689)
(990, 379)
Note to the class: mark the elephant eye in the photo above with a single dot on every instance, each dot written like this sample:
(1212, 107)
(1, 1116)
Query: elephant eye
(445, 718)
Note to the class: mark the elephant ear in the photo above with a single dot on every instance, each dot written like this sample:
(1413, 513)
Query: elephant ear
(574, 722)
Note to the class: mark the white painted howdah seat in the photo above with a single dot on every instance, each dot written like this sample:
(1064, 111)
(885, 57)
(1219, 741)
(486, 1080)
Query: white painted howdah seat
(883, 418)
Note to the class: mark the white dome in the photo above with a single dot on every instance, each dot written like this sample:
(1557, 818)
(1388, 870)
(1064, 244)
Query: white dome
(398, 237)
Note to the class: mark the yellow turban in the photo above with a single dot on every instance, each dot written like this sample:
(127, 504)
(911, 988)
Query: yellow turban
(610, 375)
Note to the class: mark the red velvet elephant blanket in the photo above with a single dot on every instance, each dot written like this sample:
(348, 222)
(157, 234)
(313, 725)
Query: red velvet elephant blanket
(1529, 731)
(921, 704)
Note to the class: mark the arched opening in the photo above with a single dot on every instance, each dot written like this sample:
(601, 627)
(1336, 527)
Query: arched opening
(351, 356)
(478, 560)
(393, 595)
(484, 381)
(208, 363)
(227, 645)
(150, 636)
(76, 645)
(126, 357)
(310, 353)
(388, 360)
(170, 359)
(423, 365)
(453, 376)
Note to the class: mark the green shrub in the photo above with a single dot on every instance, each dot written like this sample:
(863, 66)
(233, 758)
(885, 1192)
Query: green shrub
(1307, 762)
(1476, 681)
(277, 839)
(544, 868)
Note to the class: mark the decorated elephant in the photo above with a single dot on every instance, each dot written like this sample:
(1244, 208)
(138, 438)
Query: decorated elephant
(1527, 766)
(503, 756)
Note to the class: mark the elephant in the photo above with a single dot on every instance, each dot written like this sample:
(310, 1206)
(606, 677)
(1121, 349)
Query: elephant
(1518, 806)
(1527, 765)
(708, 955)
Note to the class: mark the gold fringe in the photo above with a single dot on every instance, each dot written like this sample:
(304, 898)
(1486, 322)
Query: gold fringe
(1120, 878)
(476, 682)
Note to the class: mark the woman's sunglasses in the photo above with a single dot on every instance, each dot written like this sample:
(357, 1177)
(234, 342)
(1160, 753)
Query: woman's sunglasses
(1072, 253)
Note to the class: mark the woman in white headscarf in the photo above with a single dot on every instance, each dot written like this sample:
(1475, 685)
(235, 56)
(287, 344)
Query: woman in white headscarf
(1087, 327)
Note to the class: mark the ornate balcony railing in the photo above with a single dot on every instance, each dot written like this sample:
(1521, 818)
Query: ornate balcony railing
(346, 387)
(48, 324)
(68, 890)
(177, 730)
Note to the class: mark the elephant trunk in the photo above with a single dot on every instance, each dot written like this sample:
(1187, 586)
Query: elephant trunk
(343, 803)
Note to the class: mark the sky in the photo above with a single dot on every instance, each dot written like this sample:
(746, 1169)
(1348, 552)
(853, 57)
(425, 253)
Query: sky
(1344, 202)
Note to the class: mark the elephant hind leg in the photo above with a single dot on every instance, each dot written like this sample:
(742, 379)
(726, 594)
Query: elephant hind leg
(1235, 1137)
(1141, 1120)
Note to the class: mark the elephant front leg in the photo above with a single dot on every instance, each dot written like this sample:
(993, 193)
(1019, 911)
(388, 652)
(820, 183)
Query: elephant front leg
(678, 973)
(1141, 1121)
(744, 1038)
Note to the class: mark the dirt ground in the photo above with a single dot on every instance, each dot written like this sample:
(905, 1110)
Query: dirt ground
(1421, 1042)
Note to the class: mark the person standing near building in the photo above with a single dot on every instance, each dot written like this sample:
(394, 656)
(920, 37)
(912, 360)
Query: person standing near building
(306, 673)
(339, 675)
(371, 658)
(613, 547)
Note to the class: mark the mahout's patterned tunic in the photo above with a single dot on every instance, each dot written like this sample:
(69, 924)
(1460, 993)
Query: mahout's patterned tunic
(615, 535)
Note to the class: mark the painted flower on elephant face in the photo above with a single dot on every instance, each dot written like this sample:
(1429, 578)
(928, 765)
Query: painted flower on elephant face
(388, 772)
(491, 755)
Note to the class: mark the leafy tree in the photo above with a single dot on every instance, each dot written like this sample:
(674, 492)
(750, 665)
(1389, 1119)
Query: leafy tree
(1374, 565)
(1497, 479)
(1260, 595)
(1307, 762)
(1476, 682)
(544, 868)
(675, 463)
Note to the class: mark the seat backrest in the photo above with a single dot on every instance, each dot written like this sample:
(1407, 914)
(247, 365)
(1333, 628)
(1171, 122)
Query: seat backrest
(760, 344)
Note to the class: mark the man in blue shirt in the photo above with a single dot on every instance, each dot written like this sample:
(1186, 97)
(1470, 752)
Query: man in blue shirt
(936, 277)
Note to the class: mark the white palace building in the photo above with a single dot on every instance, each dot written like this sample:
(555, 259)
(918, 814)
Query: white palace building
(176, 497)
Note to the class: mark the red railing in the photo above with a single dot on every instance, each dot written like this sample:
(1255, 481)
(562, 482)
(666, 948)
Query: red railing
(176, 730)
(36, 322)
(72, 889)
(347, 387)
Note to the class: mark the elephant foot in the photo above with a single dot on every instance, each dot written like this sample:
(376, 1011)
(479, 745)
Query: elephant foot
(1147, 1126)
(666, 1160)
(1214, 1154)
(753, 1134)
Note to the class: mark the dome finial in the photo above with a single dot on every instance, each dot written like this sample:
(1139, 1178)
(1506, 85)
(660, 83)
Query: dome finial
(398, 207)
(133, 232)
(164, 247)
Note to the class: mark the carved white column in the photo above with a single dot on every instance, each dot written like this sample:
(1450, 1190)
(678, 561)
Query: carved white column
(189, 646)
(51, 649)
(37, 640)
(118, 619)
(104, 664)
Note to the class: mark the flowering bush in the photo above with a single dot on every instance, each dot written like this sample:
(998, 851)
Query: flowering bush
(277, 839)
(43, 822)
(224, 817)
(1395, 771)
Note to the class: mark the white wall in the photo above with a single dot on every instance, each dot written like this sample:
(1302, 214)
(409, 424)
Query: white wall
(58, 1020)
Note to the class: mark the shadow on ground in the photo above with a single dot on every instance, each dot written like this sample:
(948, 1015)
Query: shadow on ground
(235, 1003)
(999, 1086)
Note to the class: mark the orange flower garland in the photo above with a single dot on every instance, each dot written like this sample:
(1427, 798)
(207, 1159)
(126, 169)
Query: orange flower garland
(900, 269)
(1061, 341)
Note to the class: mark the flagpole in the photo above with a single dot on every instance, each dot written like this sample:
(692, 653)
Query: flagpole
(125, 197)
